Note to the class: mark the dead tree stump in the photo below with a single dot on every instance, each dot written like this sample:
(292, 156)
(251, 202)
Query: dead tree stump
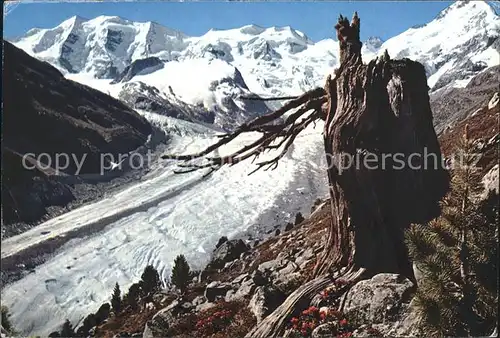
(380, 111)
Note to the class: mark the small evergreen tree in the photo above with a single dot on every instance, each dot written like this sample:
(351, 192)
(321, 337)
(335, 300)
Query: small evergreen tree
(116, 300)
(133, 296)
(180, 273)
(299, 218)
(150, 280)
(457, 254)
(67, 329)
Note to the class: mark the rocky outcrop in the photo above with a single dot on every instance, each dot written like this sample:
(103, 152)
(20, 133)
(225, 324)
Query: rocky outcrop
(216, 290)
(162, 321)
(451, 105)
(265, 300)
(378, 300)
(139, 67)
(139, 95)
(227, 252)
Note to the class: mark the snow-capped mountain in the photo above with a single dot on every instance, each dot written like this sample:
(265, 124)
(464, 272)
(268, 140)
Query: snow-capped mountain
(460, 42)
(212, 71)
(103, 46)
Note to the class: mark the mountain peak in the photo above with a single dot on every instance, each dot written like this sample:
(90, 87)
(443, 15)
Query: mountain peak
(73, 21)
(252, 29)
(467, 8)
(109, 19)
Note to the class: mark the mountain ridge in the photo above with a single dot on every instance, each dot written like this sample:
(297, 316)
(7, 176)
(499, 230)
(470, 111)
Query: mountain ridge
(277, 61)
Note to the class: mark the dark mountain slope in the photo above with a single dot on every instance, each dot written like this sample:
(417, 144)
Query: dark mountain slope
(43, 113)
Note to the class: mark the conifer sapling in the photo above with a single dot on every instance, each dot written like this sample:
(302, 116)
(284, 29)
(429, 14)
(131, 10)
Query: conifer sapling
(180, 273)
(116, 299)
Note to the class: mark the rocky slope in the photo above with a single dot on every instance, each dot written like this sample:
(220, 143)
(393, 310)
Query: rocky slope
(44, 113)
(451, 105)
(245, 282)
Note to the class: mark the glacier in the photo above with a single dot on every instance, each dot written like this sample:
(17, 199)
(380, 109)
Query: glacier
(156, 219)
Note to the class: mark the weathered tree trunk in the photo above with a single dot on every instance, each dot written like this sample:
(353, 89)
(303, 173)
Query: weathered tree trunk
(373, 111)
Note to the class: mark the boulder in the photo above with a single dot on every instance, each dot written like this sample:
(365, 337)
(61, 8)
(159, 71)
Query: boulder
(273, 265)
(265, 300)
(380, 299)
(221, 241)
(216, 289)
(248, 286)
(259, 278)
(227, 252)
(204, 306)
(241, 278)
(160, 323)
(324, 330)
(199, 300)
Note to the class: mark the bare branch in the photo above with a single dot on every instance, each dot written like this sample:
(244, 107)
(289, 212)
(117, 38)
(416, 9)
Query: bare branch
(278, 98)
(287, 131)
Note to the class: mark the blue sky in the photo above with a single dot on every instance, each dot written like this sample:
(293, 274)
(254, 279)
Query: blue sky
(316, 19)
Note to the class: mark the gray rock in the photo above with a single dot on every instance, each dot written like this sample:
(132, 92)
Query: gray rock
(265, 300)
(273, 265)
(199, 300)
(216, 289)
(160, 297)
(259, 278)
(303, 264)
(290, 268)
(204, 306)
(241, 278)
(161, 321)
(494, 101)
(288, 282)
(380, 299)
(221, 241)
(284, 255)
(245, 290)
(324, 330)
(230, 295)
(121, 335)
(141, 66)
(227, 252)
